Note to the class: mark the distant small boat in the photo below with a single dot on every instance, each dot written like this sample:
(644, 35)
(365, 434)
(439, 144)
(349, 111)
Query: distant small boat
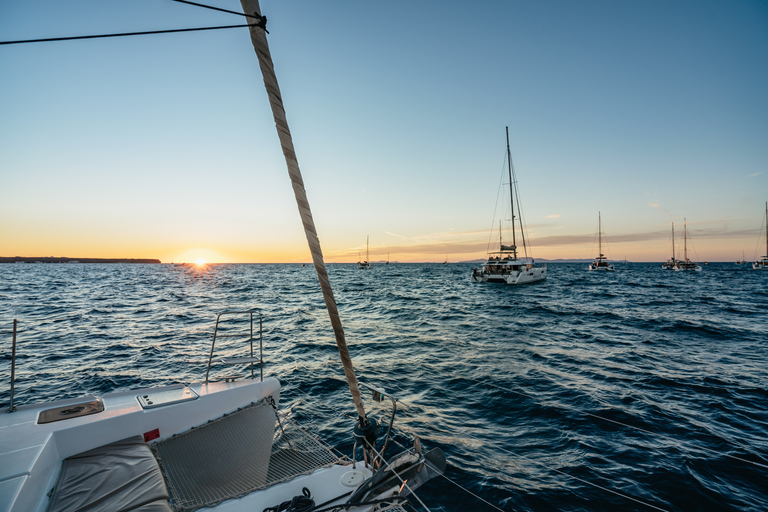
(601, 262)
(365, 264)
(387, 263)
(762, 263)
(743, 260)
(686, 264)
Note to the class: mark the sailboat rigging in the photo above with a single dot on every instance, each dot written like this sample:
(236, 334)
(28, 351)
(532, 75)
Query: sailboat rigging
(670, 263)
(366, 263)
(762, 263)
(504, 266)
(601, 262)
(686, 263)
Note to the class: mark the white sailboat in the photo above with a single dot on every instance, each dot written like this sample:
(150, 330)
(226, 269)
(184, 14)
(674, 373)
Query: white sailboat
(670, 263)
(504, 266)
(762, 263)
(219, 445)
(365, 264)
(686, 263)
(601, 262)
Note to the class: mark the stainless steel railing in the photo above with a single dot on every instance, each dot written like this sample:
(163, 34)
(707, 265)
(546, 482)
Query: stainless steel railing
(239, 360)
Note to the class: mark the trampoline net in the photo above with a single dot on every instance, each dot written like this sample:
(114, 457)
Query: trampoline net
(234, 455)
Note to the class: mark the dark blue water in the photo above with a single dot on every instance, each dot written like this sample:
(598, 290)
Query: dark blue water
(585, 392)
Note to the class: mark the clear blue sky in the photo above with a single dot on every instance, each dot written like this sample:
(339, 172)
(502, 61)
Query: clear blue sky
(163, 146)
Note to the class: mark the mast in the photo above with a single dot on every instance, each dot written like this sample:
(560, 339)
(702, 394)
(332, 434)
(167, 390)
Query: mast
(766, 229)
(511, 196)
(685, 240)
(367, 257)
(259, 40)
(599, 235)
(673, 242)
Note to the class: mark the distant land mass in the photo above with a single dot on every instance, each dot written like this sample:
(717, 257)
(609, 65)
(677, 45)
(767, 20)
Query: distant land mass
(62, 259)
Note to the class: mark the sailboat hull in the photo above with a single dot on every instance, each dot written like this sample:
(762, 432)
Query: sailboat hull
(504, 276)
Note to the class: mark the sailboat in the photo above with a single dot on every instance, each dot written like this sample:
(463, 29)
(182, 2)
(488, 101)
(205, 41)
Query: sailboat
(685, 263)
(365, 264)
(601, 262)
(762, 263)
(670, 263)
(742, 261)
(220, 444)
(504, 266)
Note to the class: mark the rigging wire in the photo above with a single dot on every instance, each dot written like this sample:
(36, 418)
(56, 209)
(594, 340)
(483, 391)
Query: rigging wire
(496, 207)
(254, 16)
(125, 34)
(639, 429)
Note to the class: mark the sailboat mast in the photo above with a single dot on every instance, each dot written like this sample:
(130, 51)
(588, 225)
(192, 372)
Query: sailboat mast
(685, 239)
(260, 45)
(673, 241)
(511, 195)
(599, 235)
(766, 228)
(367, 257)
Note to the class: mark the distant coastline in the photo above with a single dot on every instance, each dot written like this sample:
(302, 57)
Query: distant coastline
(62, 259)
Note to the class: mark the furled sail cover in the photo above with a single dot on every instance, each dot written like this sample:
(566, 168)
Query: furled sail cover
(508, 247)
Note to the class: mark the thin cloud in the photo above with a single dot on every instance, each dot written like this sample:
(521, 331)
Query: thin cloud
(554, 216)
(755, 174)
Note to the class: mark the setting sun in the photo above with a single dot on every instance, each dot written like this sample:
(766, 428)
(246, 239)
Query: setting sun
(200, 262)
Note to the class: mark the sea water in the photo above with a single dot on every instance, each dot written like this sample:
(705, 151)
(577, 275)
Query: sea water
(641, 389)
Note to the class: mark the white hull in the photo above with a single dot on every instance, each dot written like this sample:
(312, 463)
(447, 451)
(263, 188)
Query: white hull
(601, 268)
(760, 265)
(526, 276)
(692, 267)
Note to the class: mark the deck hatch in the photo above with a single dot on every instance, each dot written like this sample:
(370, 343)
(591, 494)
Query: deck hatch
(73, 410)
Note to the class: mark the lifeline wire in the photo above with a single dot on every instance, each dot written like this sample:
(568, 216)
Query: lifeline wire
(627, 426)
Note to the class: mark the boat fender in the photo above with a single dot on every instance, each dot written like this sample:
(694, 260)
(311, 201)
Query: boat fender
(303, 503)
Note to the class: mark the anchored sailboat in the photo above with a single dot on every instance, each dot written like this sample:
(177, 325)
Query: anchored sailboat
(762, 263)
(504, 265)
(601, 262)
(686, 263)
(670, 263)
(365, 264)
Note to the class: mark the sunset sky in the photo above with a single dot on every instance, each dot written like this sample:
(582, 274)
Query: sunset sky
(164, 146)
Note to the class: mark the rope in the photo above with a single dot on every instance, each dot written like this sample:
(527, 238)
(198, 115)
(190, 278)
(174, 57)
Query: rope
(259, 40)
(302, 503)
(124, 34)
